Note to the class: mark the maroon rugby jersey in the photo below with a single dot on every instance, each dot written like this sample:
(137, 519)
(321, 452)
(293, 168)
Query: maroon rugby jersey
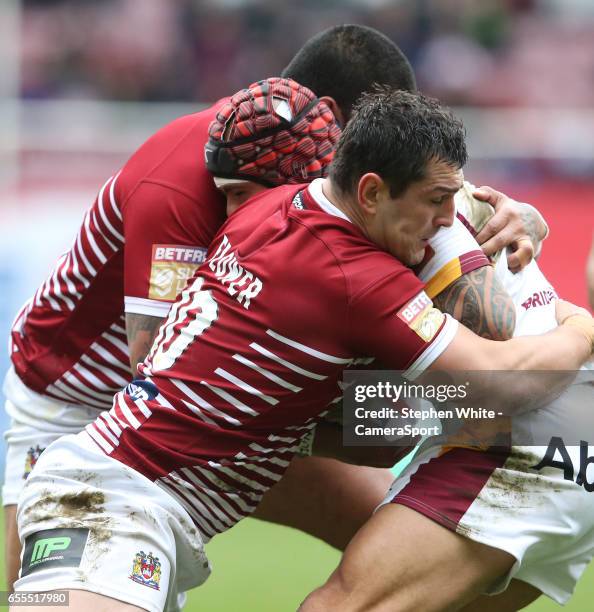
(146, 233)
(253, 349)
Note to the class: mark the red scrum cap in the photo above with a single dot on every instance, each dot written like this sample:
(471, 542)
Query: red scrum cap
(275, 132)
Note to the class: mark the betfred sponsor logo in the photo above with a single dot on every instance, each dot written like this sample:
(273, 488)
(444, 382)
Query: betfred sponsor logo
(421, 317)
(415, 308)
(172, 267)
(178, 254)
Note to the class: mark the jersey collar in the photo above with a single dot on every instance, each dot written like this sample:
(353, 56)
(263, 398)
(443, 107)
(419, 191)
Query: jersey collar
(315, 191)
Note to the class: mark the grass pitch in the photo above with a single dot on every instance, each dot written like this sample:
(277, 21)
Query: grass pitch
(265, 568)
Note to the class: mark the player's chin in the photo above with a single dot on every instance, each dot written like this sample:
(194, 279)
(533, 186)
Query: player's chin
(231, 208)
(414, 258)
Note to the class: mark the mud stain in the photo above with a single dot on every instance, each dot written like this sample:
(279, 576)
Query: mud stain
(517, 486)
(76, 510)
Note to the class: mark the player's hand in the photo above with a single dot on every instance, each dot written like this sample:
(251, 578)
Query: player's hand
(510, 226)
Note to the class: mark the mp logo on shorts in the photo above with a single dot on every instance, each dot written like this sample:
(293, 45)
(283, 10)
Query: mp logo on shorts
(171, 268)
(421, 317)
(31, 459)
(53, 548)
(146, 570)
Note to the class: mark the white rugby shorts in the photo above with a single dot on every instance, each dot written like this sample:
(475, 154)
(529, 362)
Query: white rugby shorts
(35, 422)
(502, 498)
(88, 522)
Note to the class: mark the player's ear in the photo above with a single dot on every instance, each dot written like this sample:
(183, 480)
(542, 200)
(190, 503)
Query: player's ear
(370, 191)
(336, 110)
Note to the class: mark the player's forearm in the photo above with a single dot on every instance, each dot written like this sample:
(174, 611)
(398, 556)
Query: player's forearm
(564, 348)
(480, 302)
(542, 366)
(141, 331)
(534, 369)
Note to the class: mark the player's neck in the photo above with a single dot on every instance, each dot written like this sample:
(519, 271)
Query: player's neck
(344, 203)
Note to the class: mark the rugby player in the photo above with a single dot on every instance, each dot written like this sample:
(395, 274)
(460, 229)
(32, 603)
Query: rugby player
(73, 342)
(514, 522)
(245, 363)
(144, 236)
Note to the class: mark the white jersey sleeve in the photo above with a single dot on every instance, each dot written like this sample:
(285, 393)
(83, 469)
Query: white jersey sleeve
(452, 252)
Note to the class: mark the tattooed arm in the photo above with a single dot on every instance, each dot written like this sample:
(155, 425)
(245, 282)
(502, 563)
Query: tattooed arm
(141, 331)
(479, 301)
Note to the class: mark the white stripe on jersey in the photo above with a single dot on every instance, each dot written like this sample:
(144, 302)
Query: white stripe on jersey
(114, 206)
(71, 287)
(126, 412)
(207, 531)
(287, 364)
(101, 369)
(201, 402)
(260, 449)
(109, 358)
(262, 471)
(111, 423)
(232, 400)
(217, 519)
(106, 432)
(119, 344)
(114, 415)
(99, 439)
(238, 500)
(218, 498)
(267, 374)
(245, 386)
(63, 390)
(275, 438)
(200, 414)
(308, 350)
(234, 475)
(143, 408)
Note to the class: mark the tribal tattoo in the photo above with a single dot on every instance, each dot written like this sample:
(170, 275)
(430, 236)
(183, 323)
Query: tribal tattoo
(479, 301)
(141, 331)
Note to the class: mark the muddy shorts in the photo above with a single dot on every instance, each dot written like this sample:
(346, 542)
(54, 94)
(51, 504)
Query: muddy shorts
(528, 501)
(35, 422)
(88, 522)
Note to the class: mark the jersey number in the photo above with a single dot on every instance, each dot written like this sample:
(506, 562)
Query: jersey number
(193, 313)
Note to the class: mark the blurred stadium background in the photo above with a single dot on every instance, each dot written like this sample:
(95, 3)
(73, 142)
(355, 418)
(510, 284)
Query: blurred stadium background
(84, 82)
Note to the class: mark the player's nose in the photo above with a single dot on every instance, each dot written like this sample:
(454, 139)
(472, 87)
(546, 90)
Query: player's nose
(446, 214)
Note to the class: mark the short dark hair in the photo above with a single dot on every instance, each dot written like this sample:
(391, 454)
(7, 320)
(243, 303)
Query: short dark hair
(396, 134)
(344, 61)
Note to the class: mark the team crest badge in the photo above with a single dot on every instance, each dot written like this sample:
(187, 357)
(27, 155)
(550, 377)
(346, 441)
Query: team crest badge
(146, 569)
(31, 459)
